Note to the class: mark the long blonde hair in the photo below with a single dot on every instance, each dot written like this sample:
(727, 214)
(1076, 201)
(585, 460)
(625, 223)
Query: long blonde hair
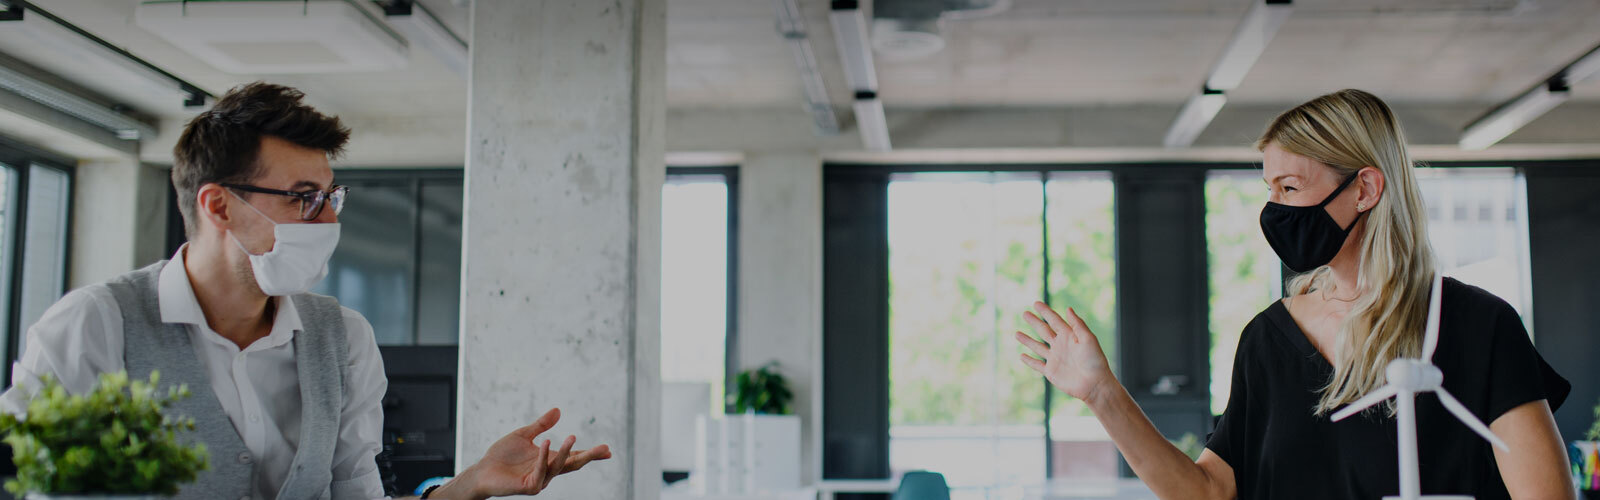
(1347, 131)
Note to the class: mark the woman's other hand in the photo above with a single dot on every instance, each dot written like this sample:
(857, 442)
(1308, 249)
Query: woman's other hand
(1068, 354)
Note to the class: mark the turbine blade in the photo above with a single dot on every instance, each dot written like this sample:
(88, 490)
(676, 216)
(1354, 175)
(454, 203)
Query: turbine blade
(1466, 417)
(1372, 398)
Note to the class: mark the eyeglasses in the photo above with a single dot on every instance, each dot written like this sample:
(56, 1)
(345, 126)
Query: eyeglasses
(311, 202)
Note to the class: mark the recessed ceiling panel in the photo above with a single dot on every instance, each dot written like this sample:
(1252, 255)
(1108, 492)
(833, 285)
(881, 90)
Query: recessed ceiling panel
(266, 37)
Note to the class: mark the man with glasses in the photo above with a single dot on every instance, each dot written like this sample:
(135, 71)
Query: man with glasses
(296, 379)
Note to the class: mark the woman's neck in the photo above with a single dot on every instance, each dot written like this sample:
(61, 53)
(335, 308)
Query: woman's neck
(1343, 277)
(1345, 268)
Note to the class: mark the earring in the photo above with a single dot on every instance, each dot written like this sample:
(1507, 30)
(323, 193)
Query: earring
(1360, 207)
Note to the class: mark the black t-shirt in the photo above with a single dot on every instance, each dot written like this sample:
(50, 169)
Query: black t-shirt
(1279, 449)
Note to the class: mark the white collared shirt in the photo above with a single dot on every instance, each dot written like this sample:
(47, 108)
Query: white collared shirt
(81, 337)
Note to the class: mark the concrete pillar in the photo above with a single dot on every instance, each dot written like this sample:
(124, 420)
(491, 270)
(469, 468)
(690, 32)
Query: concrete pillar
(780, 282)
(561, 255)
(119, 220)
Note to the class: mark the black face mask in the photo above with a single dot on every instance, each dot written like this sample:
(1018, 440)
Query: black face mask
(1305, 237)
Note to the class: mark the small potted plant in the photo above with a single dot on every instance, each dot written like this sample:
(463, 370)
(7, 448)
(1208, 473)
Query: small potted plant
(762, 391)
(115, 442)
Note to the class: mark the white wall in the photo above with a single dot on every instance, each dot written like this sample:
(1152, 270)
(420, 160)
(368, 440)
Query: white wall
(119, 211)
(780, 281)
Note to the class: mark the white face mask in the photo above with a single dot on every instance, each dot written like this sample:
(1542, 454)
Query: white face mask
(299, 259)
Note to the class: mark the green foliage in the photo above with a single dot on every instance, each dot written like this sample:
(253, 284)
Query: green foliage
(966, 259)
(113, 440)
(1594, 430)
(1243, 270)
(762, 391)
(1190, 445)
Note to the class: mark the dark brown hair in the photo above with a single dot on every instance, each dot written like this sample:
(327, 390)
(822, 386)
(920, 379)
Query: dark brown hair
(223, 143)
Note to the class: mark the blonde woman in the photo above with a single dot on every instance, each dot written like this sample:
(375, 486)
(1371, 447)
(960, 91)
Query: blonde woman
(1346, 211)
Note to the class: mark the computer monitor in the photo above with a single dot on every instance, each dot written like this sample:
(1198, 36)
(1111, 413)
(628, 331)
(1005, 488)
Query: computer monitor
(419, 413)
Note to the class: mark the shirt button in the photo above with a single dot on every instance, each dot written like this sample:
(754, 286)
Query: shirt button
(255, 418)
(244, 458)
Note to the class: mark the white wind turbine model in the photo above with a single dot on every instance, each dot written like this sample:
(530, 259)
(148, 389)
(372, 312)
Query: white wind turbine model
(1407, 378)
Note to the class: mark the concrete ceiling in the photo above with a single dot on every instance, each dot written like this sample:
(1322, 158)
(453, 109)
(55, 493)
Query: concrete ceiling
(1093, 52)
(725, 55)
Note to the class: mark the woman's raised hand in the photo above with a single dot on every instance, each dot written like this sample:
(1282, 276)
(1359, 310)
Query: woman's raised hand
(1069, 355)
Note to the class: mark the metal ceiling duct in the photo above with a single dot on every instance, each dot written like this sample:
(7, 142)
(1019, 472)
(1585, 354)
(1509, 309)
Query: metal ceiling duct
(34, 85)
(792, 26)
(910, 29)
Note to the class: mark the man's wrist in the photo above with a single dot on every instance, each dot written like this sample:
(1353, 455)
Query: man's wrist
(461, 487)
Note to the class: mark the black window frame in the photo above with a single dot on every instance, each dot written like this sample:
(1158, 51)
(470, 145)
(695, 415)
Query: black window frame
(22, 158)
(730, 176)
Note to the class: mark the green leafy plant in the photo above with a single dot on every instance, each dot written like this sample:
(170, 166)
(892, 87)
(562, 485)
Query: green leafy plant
(1594, 430)
(114, 440)
(1190, 445)
(762, 391)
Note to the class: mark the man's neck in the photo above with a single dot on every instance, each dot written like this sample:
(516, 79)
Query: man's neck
(233, 307)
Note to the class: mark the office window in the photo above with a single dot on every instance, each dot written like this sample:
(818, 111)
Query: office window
(35, 210)
(374, 268)
(967, 255)
(1083, 275)
(9, 193)
(1478, 224)
(695, 281)
(1245, 275)
(439, 262)
(399, 257)
(44, 250)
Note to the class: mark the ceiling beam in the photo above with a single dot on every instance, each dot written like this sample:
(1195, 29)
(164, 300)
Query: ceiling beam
(1508, 117)
(1260, 24)
(855, 49)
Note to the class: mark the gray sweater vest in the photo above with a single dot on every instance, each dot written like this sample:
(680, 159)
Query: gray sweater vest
(321, 352)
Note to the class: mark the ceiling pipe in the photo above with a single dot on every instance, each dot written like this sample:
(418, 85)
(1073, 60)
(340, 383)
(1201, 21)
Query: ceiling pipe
(855, 51)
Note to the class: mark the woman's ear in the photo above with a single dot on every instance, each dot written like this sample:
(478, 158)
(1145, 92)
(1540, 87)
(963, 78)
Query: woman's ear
(1372, 183)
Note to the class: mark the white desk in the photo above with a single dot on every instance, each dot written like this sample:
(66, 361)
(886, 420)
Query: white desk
(1055, 489)
(801, 494)
(830, 487)
(1075, 489)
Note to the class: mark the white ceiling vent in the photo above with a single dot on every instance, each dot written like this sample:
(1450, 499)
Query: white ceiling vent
(904, 30)
(276, 37)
